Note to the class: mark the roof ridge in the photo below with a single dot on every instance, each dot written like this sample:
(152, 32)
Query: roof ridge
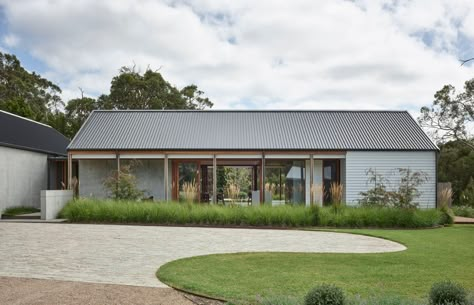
(27, 119)
(245, 110)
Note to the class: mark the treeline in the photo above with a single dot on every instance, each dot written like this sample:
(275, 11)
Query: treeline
(29, 95)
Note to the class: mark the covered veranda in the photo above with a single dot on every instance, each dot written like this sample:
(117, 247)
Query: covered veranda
(227, 177)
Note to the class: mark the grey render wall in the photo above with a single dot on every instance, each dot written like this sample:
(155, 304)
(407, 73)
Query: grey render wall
(23, 174)
(149, 175)
(91, 177)
(386, 163)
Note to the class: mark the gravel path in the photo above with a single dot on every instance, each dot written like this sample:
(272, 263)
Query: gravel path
(21, 291)
(130, 255)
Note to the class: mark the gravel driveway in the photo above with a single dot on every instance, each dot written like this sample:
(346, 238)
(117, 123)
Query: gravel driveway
(130, 255)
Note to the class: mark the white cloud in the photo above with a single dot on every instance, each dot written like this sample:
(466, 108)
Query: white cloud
(10, 40)
(259, 54)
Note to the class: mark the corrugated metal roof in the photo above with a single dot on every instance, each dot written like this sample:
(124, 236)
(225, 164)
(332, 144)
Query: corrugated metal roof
(251, 130)
(23, 133)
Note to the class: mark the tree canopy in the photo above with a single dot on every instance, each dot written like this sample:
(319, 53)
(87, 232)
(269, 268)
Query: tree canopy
(456, 165)
(26, 93)
(132, 90)
(450, 115)
(29, 95)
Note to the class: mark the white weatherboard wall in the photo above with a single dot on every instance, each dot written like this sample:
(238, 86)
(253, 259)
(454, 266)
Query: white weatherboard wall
(23, 174)
(387, 163)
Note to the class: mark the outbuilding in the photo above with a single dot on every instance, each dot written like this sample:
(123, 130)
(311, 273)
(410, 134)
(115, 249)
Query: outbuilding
(32, 158)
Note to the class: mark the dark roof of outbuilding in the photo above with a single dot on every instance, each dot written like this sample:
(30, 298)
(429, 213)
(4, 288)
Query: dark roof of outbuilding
(22, 133)
(250, 130)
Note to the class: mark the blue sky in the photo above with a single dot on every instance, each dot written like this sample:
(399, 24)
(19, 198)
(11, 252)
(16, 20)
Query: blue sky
(301, 54)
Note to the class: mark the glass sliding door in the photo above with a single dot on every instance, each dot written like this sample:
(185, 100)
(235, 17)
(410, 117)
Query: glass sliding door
(186, 182)
(284, 182)
(237, 181)
(330, 176)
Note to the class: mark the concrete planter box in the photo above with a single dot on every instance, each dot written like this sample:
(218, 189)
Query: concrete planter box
(52, 202)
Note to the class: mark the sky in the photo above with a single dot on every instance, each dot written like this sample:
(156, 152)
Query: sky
(299, 54)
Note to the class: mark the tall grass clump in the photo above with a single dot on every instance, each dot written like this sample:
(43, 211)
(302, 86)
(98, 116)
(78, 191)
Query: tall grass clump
(380, 217)
(445, 197)
(146, 212)
(317, 190)
(190, 190)
(336, 191)
(109, 211)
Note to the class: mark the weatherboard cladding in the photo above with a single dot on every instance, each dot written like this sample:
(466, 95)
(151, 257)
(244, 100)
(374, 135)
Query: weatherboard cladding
(251, 130)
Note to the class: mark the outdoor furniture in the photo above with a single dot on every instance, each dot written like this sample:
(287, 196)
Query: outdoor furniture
(220, 197)
(205, 197)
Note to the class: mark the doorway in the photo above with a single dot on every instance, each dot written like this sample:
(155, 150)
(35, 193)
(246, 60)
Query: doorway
(330, 175)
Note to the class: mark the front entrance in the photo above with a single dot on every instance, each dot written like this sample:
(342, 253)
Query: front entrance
(238, 181)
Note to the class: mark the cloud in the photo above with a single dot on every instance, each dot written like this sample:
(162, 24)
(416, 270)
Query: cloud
(254, 54)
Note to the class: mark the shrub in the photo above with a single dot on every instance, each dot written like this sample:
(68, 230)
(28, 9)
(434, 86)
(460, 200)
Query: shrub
(325, 295)
(447, 293)
(408, 187)
(378, 194)
(447, 216)
(463, 211)
(467, 195)
(402, 197)
(122, 184)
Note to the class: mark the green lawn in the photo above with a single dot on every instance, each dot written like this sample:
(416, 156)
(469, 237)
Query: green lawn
(19, 210)
(432, 255)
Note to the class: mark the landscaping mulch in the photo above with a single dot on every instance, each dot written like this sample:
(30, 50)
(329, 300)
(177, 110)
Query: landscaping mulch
(25, 291)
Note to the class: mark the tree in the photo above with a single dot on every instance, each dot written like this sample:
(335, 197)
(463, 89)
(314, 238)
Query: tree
(132, 90)
(122, 185)
(456, 165)
(26, 94)
(31, 96)
(450, 114)
(77, 111)
(467, 196)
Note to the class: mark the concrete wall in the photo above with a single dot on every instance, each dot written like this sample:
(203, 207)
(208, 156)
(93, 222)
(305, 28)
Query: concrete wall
(150, 177)
(91, 177)
(52, 202)
(149, 173)
(386, 163)
(23, 174)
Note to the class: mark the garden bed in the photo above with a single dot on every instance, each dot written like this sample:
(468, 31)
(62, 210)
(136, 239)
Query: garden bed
(129, 212)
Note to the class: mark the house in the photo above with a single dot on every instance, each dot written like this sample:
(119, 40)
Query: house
(282, 155)
(32, 158)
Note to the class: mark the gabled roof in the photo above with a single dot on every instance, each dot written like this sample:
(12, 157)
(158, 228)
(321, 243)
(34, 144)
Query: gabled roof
(250, 130)
(22, 133)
